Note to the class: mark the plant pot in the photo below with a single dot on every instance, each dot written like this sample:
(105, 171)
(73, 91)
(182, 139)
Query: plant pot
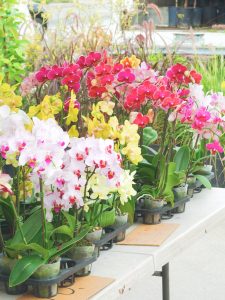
(172, 16)
(180, 192)
(80, 253)
(221, 15)
(205, 170)
(120, 221)
(203, 3)
(184, 17)
(94, 237)
(149, 218)
(191, 181)
(45, 272)
(6, 265)
(197, 17)
(209, 15)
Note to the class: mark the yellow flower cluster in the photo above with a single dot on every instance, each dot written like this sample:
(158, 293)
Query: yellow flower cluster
(131, 62)
(129, 139)
(50, 106)
(8, 96)
(125, 136)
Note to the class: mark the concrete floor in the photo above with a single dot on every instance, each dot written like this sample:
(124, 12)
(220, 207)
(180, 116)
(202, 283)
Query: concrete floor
(197, 274)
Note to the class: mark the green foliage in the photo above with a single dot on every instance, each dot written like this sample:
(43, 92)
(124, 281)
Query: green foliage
(11, 44)
(204, 180)
(38, 256)
(107, 218)
(33, 222)
(24, 268)
(182, 158)
(149, 136)
(213, 72)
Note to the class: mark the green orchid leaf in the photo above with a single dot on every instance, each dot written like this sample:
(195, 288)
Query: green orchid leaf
(129, 207)
(182, 158)
(204, 180)
(172, 181)
(64, 229)
(30, 227)
(65, 247)
(149, 136)
(70, 220)
(24, 268)
(33, 246)
(107, 218)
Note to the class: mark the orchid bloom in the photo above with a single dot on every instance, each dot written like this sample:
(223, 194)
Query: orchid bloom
(5, 187)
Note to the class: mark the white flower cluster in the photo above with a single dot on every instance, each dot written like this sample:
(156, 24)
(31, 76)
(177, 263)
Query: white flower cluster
(72, 170)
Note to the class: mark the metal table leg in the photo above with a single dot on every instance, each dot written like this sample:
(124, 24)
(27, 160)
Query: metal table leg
(165, 281)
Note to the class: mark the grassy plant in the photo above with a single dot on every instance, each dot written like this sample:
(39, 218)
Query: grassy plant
(213, 72)
(12, 46)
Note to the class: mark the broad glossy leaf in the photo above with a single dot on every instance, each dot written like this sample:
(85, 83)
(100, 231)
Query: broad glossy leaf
(33, 246)
(30, 228)
(129, 207)
(64, 229)
(70, 219)
(182, 158)
(58, 251)
(24, 268)
(204, 180)
(107, 218)
(149, 136)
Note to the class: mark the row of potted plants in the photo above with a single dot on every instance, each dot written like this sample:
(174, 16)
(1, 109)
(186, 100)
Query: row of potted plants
(84, 143)
(183, 14)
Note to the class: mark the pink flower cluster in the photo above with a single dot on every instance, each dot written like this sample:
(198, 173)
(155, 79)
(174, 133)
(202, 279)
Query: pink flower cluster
(205, 114)
(131, 87)
(179, 74)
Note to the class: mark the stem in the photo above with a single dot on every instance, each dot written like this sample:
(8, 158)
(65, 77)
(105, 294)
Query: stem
(2, 244)
(18, 222)
(24, 187)
(18, 191)
(192, 156)
(44, 238)
(161, 149)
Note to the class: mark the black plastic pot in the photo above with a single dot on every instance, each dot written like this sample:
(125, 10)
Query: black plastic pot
(184, 17)
(202, 3)
(172, 16)
(221, 15)
(16, 290)
(209, 15)
(197, 17)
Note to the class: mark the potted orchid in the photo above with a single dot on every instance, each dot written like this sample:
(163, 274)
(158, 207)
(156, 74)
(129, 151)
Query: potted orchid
(67, 176)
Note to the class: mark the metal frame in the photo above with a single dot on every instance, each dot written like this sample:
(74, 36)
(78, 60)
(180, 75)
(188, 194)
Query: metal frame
(165, 281)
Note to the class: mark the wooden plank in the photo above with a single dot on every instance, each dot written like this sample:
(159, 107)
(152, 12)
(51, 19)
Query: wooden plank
(149, 235)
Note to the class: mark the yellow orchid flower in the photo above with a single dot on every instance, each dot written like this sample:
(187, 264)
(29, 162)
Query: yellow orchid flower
(8, 97)
(107, 107)
(135, 62)
(130, 62)
(133, 153)
(34, 111)
(72, 114)
(73, 132)
(11, 159)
